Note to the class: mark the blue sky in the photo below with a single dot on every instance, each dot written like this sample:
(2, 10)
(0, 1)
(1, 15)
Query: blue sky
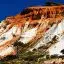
(13, 7)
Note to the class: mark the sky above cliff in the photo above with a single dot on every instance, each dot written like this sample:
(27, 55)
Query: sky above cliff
(13, 7)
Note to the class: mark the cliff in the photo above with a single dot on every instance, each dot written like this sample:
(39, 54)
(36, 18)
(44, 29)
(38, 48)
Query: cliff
(37, 28)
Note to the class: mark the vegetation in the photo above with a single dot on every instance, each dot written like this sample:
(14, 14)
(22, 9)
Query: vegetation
(52, 4)
(25, 57)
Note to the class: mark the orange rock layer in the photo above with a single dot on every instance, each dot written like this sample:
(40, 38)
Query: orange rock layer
(32, 14)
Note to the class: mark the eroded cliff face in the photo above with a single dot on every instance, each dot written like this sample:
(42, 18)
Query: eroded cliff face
(34, 27)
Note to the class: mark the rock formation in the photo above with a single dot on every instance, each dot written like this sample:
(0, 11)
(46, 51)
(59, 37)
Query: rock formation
(36, 26)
